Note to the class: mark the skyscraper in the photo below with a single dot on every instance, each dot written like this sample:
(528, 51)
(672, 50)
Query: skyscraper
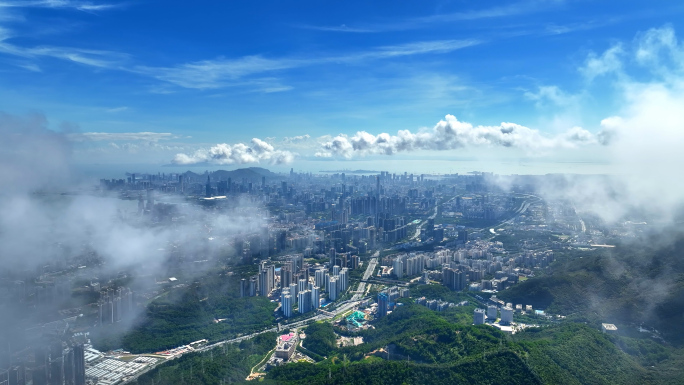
(333, 289)
(319, 278)
(285, 276)
(343, 279)
(79, 365)
(304, 301)
(287, 305)
(383, 303)
(315, 297)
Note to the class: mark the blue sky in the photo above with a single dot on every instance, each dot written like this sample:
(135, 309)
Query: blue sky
(144, 81)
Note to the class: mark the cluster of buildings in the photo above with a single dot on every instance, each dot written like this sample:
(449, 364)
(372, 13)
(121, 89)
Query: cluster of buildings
(57, 357)
(475, 266)
(114, 305)
(387, 300)
(438, 304)
(300, 284)
(499, 313)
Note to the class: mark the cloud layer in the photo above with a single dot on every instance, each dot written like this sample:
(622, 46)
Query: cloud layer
(451, 134)
(257, 152)
(31, 155)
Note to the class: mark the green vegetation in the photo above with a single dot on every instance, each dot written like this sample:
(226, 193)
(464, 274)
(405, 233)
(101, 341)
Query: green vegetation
(415, 345)
(228, 364)
(190, 314)
(629, 285)
(320, 338)
(498, 368)
(576, 354)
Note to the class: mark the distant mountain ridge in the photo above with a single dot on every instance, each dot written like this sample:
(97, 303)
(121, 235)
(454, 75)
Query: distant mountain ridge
(250, 173)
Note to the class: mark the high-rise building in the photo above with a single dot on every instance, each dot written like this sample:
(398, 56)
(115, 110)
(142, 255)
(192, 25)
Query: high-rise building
(79, 365)
(479, 316)
(287, 305)
(492, 312)
(336, 270)
(344, 280)
(304, 301)
(253, 285)
(398, 268)
(463, 235)
(355, 261)
(454, 279)
(207, 188)
(302, 285)
(315, 297)
(56, 364)
(264, 290)
(293, 290)
(244, 288)
(285, 276)
(506, 315)
(383, 304)
(333, 289)
(40, 370)
(332, 254)
(319, 278)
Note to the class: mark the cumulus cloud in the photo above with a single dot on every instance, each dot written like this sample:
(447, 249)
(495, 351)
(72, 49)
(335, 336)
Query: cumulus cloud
(258, 151)
(451, 134)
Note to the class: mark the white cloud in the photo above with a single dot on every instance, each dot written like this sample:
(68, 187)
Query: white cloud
(451, 134)
(222, 72)
(296, 139)
(609, 62)
(505, 11)
(645, 136)
(258, 151)
(121, 136)
(94, 58)
(78, 5)
(554, 95)
(659, 50)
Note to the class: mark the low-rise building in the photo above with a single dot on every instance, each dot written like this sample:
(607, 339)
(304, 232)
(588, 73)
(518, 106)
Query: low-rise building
(609, 328)
(287, 343)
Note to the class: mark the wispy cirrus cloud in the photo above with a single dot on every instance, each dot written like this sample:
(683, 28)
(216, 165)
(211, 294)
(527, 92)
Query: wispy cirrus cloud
(67, 4)
(510, 10)
(222, 72)
(89, 57)
(120, 136)
(296, 139)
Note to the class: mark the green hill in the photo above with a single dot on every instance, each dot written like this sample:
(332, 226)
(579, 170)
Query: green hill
(630, 285)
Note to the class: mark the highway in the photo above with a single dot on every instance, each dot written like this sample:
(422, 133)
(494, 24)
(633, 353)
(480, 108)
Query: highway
(361, 288)
(433, 216)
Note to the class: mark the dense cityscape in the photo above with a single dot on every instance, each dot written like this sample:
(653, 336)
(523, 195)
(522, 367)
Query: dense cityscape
(343, 248)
